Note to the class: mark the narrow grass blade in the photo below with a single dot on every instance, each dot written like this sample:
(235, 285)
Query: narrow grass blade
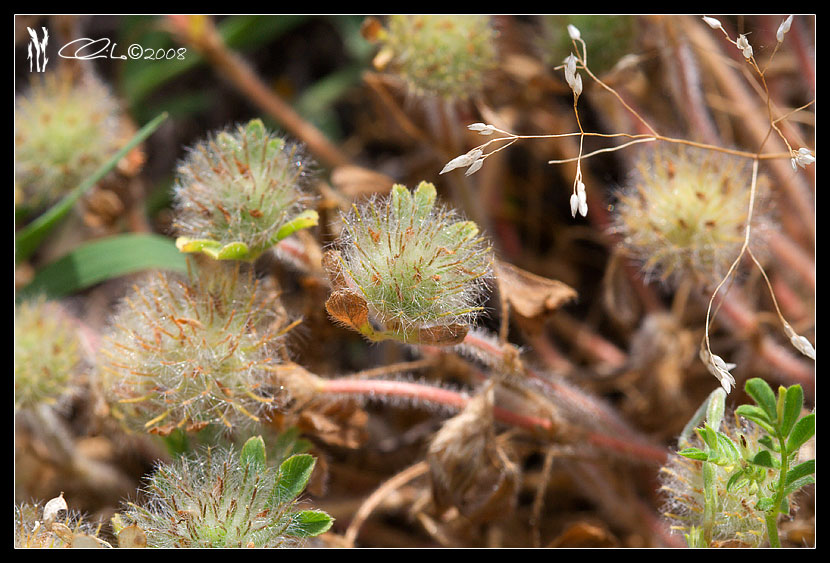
(30, 237)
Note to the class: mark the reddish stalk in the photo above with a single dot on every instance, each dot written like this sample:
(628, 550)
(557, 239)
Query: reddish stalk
(437, 395)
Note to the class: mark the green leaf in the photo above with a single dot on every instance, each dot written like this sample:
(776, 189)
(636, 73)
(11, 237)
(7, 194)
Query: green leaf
(768, 442)
(253, 452)
(30, 237)
(798, 483)
(104, 259)
(304, 220)
(793, 401)
(765, 503)
(694, 453)
(214, 249)
(424, 200)
(401, 201)
(762, 393)
(294, 475)
(309, 523)
(714, 410)
(709, 437)
(727, 448)
(802, 431)
(765, 459)
(695, 420)
(462, 231)
(756, 415)
(800, 470)
(737, 481)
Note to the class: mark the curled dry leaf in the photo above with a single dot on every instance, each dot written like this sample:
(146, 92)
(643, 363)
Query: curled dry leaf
(530, 296)
(349, 308)
(337, 423)
(469, 469)
(52, 508)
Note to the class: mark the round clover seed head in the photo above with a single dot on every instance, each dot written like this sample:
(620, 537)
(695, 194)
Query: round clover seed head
(239, 192)
(217, 499)
(185, 352)
(416, 264)
(65, 129)
(444, 55)
(737, 522)
(46, 351)
(684, 212)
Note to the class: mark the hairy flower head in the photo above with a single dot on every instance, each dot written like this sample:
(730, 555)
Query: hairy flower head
(441, 54)
(187, 352)
(684, 212)
(416, 265)
(240, 192)
(65, 129)
(224, 498)
(46, 351)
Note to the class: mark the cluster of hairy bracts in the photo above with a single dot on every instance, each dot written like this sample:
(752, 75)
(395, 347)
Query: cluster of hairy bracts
(65, 129)
(441, 54)
(213, 501)
(243, 186)
(737, 522)
(684, 213)
(185, 352)
(416, 264)
(46, 351)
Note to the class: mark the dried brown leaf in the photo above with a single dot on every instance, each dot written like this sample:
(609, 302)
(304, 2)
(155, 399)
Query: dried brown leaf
(349, 308)
(442, 335)
(469, 469)
(342, 424)
(529, 295)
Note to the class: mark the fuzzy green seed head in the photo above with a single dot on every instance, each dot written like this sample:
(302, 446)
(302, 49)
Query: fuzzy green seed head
(64, 131)
(684, 213)
(227, 499)
(240, 192)
(416, 264)
(187, 352)
(46, 351)
(737, 523)
(442, 55)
